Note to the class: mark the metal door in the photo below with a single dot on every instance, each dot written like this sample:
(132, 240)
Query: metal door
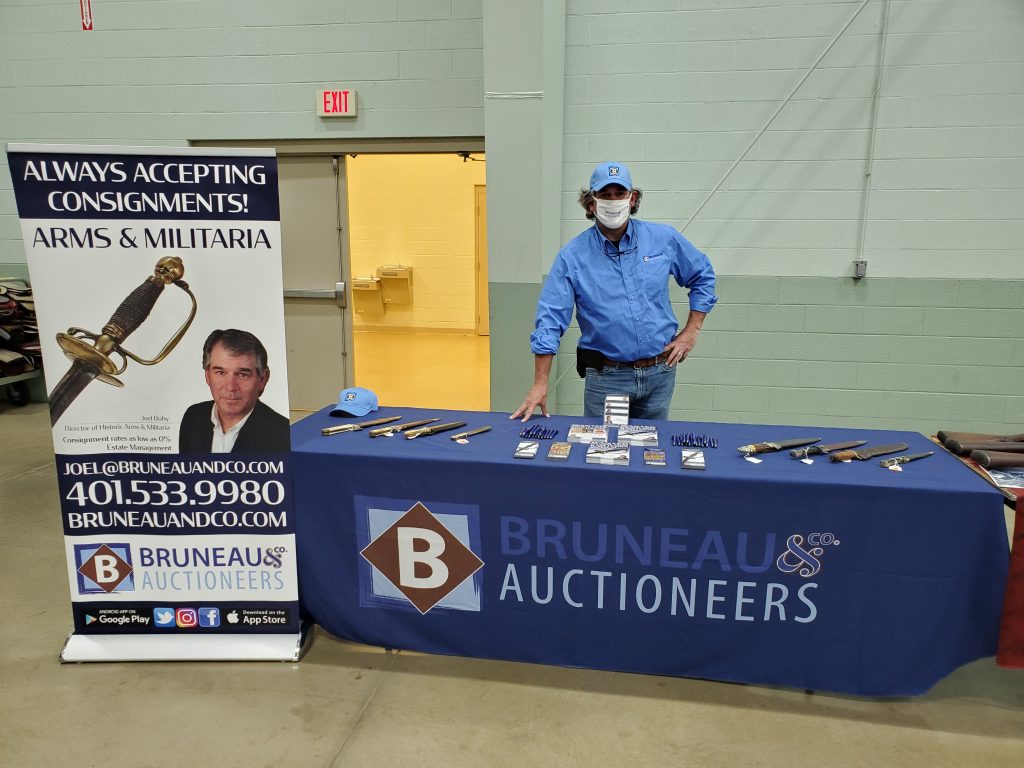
(317, 310)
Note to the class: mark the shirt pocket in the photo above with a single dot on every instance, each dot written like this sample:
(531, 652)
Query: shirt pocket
(655, 267)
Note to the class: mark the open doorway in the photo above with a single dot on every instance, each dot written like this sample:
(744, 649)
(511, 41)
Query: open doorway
(416, 258)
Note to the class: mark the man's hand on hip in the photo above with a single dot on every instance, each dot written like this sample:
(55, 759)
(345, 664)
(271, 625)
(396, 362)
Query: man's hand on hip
(681, 346)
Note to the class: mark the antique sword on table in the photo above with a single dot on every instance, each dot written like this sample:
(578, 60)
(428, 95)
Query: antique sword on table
(92, 361)
(433, 430)
(354, 427)
(867, 453)
(776, 445)
(396, 428)
(814, 450)
(895, 460)
(470, 433)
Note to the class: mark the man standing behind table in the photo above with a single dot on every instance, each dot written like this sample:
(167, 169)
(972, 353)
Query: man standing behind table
(235, 421)
(616, 274)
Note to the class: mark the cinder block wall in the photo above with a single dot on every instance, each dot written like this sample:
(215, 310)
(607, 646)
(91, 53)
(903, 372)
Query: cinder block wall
(164, 73)
(899, 353)
(932, 338)
(677, 89)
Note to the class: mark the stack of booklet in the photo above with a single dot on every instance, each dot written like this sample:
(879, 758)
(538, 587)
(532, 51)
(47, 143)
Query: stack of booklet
(616, 410)
(587, 433)
(638, 434)
(608, 453)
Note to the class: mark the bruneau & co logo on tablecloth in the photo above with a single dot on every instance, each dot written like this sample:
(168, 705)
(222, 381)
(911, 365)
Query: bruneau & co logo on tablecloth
(422, 558)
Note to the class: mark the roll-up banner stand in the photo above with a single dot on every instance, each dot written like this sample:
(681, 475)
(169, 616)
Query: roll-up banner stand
(156, 273)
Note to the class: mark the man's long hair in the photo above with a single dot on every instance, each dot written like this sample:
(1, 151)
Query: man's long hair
(236, 342)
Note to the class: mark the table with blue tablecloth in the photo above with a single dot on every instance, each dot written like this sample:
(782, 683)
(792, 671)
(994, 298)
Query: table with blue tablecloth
(843, 577)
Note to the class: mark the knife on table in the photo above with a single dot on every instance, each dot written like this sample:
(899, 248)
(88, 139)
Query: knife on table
(867, 453)
(396, 428)
(353, 427)
(470, 433)
(433, 430)
(905, 459)
(814, 450)
(776, 445)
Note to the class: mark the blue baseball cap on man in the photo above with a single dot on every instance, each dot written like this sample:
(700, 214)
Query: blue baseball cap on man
(355, 401)
(610, 173)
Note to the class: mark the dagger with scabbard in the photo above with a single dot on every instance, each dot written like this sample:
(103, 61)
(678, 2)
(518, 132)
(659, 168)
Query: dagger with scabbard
(92, 361)
(867, 453)
(897, 460)
(394, 429)
(470, 433)
(433, 430)
(824, 450)
(341, 428)
(777, 445)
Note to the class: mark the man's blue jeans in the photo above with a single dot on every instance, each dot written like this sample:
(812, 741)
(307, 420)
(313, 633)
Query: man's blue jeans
(649, 390)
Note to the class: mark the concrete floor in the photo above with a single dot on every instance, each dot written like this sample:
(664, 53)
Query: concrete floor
(350, 705)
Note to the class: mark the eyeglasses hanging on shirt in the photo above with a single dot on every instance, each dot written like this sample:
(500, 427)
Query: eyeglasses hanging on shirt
(614, 249)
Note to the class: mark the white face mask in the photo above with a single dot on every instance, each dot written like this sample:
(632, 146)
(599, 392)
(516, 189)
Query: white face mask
(612, 213)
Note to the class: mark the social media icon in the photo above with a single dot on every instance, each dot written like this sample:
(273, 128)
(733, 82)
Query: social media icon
(233, 617)
(186, 617)
(163, 616)
(209, 617)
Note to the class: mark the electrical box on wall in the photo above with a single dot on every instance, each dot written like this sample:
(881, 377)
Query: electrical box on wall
(366, 297)
(395, 284)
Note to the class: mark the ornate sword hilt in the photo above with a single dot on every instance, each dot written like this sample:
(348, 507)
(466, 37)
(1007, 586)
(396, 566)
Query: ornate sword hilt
(125, 320)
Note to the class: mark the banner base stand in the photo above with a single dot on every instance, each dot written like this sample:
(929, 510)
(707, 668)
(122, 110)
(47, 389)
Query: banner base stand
(224, 647)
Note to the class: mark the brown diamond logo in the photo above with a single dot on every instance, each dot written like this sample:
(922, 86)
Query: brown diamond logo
(422, 558)
(106, 568)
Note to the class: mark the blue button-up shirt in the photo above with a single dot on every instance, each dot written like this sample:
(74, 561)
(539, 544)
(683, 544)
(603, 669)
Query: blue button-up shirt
(620, 291)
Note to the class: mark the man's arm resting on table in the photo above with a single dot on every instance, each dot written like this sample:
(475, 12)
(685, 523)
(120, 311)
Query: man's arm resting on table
(686, 339)
(538, 394)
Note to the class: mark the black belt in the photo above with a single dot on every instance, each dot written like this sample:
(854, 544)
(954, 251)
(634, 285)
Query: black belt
(644, 362)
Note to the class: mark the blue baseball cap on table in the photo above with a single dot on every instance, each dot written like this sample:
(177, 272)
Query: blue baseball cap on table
(355, 401)
(610, 173)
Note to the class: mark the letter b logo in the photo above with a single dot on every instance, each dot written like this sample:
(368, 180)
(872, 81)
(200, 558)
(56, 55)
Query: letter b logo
(409, 556)
(103, 568)
(106, 569)
(422, 558)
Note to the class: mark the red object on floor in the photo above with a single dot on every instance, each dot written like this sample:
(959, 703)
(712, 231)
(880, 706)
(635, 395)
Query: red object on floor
(1010, 653)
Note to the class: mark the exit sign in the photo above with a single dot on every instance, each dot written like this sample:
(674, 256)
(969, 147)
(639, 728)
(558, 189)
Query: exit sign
(337, 102)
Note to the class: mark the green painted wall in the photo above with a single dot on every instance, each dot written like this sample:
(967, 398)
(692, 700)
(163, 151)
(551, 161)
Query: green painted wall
(916, 354)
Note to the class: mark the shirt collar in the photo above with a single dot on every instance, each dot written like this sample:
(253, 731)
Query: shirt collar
(614, 249)
(235, 429)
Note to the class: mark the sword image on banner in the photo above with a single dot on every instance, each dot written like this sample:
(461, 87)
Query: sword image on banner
(92, 361)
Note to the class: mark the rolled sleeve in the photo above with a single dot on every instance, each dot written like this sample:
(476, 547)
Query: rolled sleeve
(693, 271)
(554, 310)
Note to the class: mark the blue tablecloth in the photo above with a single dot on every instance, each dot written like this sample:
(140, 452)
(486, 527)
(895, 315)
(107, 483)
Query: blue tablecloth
(833, 577)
